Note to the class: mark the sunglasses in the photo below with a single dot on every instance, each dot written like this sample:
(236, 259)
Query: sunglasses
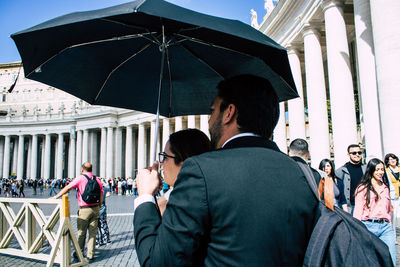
(162, 156)
(355, 153)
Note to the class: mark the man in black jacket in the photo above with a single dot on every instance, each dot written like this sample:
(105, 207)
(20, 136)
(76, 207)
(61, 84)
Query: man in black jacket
(298, 151)
(245, 204)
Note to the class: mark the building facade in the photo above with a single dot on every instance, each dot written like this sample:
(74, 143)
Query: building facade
(343, 55)
(47, 133)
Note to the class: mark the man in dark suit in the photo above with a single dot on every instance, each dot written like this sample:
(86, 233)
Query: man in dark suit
(298, 151)
(245, 204)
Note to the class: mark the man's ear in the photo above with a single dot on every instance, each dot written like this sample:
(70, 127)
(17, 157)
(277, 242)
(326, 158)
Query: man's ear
(229, 114)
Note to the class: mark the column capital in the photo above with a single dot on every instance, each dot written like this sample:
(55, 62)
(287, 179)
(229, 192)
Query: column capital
(292, 49)
(327, 4)
(310, 29)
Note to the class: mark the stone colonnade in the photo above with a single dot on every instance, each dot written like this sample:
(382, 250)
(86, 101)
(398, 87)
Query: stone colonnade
(114, 151)
(337, 49)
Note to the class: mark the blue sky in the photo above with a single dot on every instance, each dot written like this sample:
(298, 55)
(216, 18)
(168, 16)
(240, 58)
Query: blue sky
(16, 15)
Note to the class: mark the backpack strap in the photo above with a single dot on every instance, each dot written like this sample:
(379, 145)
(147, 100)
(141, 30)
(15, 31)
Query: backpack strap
(309, 177)
(87, 177)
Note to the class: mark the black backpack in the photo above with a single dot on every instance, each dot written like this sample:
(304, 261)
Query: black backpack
(92, 192)
(339, 239)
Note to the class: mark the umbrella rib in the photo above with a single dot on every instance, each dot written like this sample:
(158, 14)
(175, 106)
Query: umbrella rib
(135, 27)
(170, 83)
(122, 63)
(202, 60)
(143, 35)
(213, 45)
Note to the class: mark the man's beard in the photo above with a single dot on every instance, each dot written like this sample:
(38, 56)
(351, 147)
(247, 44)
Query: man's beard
(216, 132)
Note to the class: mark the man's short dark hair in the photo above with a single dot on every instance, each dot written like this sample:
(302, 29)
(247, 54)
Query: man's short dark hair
(256, 102)
(299, 147)
(87, 167)
(351, 146)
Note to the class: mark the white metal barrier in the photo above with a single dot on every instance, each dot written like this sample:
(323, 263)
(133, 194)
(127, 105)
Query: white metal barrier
(60, 240)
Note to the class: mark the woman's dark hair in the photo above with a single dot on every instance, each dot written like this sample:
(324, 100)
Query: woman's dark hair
(187, 143)
(256, 102)
(322, 166)
(391, 155)
(366, 180)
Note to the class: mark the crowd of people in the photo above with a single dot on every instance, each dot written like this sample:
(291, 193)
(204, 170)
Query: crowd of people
(214, 208)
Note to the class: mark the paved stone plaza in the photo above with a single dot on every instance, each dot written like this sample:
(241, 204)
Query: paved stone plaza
(121, 251)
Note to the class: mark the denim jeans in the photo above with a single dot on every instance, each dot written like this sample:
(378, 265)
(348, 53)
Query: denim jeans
(385, 233)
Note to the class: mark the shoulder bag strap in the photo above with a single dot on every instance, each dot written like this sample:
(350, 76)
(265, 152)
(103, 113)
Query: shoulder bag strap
(309, 177)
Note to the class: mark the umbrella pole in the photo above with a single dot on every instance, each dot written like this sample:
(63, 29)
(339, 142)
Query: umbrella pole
(163, 46)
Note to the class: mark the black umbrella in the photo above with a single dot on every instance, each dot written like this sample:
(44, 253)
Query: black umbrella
(112, 57)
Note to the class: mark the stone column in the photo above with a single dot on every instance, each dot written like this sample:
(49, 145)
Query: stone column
(6, 161)
(103, 152)
(2, 141)
(47, 156)
(178, 124)
(128, 152)
(71, 155)
(28, 160)
(166, 132)
(344, 126)
(20, 162)
(110, 152)
(316, 97)
(60, 154)
(367, 79)
(34, 155)
(85, 146)
(141, 153)
(118, 152)
(386, 35)
(153, 132)
(297, 126)
(15, 157)
(204, 124)
(79, 162)
(279, 135)
(191, 121)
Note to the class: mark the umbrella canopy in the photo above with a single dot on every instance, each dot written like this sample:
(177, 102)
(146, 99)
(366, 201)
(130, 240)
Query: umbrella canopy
(112, 56)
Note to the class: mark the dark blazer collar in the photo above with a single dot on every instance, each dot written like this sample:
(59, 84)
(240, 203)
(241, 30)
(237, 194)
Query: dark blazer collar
(251, 141)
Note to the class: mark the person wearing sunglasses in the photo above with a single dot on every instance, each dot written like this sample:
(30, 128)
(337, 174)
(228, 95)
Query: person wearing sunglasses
(351, 173)
(180, 146)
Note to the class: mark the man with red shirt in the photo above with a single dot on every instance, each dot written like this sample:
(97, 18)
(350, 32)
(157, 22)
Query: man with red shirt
(88, 214)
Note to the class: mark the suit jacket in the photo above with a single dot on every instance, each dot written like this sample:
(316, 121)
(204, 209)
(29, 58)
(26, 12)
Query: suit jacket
(245, 205)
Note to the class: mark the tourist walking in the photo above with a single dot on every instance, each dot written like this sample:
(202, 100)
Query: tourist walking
(373, 204)
(88, 213)
(53, 187)
(351, 173)
(21, 188)
(298, 151)
(337, 186)
(14, 187)
(392, 172)
(103, 233)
